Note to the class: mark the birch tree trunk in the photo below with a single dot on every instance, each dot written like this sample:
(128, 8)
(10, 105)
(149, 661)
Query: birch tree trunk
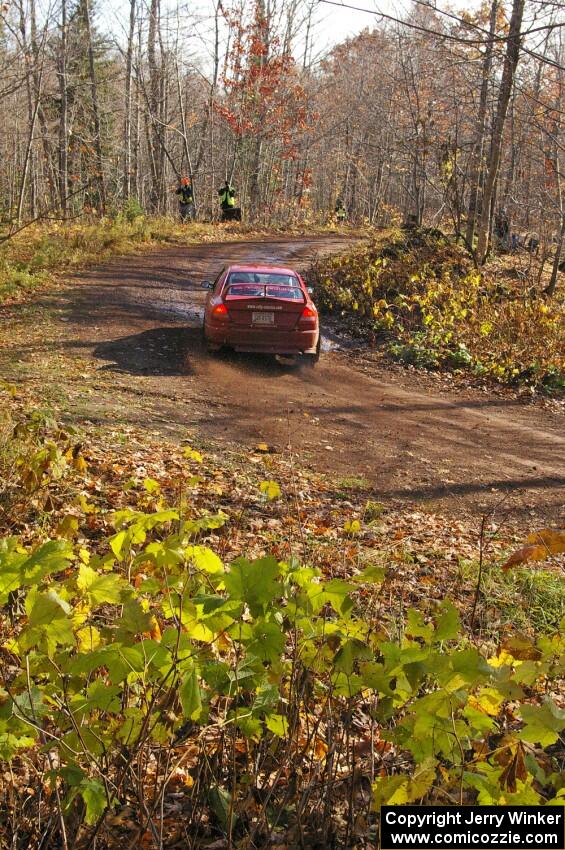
(32, 116)
(552, 285)
(153, 97)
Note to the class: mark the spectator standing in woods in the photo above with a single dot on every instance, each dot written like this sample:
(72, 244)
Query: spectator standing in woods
(502, 227)
(340, 211)
(227, 203)
(186, 200)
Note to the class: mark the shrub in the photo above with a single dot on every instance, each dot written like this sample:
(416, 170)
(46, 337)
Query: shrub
(132, 210)
(420, 297)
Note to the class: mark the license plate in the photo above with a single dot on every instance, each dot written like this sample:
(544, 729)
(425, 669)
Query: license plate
(263, 318)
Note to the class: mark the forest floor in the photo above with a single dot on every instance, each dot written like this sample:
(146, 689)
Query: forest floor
(121, 345)
(418, 484)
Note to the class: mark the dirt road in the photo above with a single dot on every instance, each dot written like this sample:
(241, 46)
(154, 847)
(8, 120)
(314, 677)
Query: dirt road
(133, 330)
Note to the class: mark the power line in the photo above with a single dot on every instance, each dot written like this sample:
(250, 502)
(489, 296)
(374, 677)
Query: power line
(449, 36)
(404, 23)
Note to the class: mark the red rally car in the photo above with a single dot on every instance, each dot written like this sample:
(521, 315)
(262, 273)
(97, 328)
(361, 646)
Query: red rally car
(261, 308)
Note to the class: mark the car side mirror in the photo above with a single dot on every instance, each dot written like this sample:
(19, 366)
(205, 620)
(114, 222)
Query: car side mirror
(310, 290)
(207, 284)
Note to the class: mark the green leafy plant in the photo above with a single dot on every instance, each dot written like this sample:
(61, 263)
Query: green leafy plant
(142, 668)
(117, 656)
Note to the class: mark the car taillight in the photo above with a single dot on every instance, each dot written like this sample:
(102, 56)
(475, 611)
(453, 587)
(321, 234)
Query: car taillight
(309, 313)
(308, 317)
(220, 311)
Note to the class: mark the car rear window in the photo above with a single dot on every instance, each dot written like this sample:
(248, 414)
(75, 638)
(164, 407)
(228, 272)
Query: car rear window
(263, 277)
(246, 290)
(290, 292)
(263, 285)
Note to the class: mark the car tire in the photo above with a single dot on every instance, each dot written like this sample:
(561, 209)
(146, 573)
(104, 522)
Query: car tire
(312, 359)
(208, 347)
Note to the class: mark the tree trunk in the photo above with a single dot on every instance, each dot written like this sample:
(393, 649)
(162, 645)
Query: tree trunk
(509, 70)
(32, 116)
(38, 50)
(153, 103)
(479, 145)
(63, 115)
(127, 104)
(552, 285)
(186, 149)
(95, 111)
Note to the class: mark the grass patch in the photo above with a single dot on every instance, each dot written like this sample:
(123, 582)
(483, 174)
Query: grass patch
(419, 297)
(527, 598)
(353, 482)
(524, 598)
(373, 511)
(34, 257)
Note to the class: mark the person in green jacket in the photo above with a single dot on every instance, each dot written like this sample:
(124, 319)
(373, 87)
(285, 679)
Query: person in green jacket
(227, 203)
(340, 211)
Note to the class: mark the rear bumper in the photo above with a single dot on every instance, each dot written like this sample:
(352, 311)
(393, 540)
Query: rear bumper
(268, 341)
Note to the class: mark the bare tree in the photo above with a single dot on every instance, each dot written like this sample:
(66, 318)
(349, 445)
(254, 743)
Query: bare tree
(476, 159)
(63, 113)
(99, 180)
(511, 58)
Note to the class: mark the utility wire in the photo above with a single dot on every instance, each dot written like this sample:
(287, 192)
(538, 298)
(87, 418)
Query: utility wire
(448, 36)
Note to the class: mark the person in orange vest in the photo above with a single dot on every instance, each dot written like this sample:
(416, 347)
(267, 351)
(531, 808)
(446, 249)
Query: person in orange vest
(186, 200)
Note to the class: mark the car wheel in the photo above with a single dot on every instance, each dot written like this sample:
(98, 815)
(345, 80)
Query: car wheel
(209, 347)
(312, 359)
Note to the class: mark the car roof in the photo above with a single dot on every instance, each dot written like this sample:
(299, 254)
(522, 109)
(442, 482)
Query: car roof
(261, 268)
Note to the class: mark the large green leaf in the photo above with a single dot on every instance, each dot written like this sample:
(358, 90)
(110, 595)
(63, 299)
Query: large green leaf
(253, 582)
(471, 665)
(29, 704)
(10, 743)
(267, 699)
(350, 652)
(94, 796)
(204, 559)
(267, 642)
(220, 803)
(99, 696)
(122, 661)
(18, 569)
(335, 592)
(189, 694)
(375, 677)
(417, 626)
(402, 788)
(448, 624)
(48, 622)
(543, 723)
(277, 724)
(100, 588)
(134, 620)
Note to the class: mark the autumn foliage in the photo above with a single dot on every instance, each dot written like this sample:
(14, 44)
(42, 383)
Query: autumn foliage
(263, 95)
(159, 682)
(419, 297)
